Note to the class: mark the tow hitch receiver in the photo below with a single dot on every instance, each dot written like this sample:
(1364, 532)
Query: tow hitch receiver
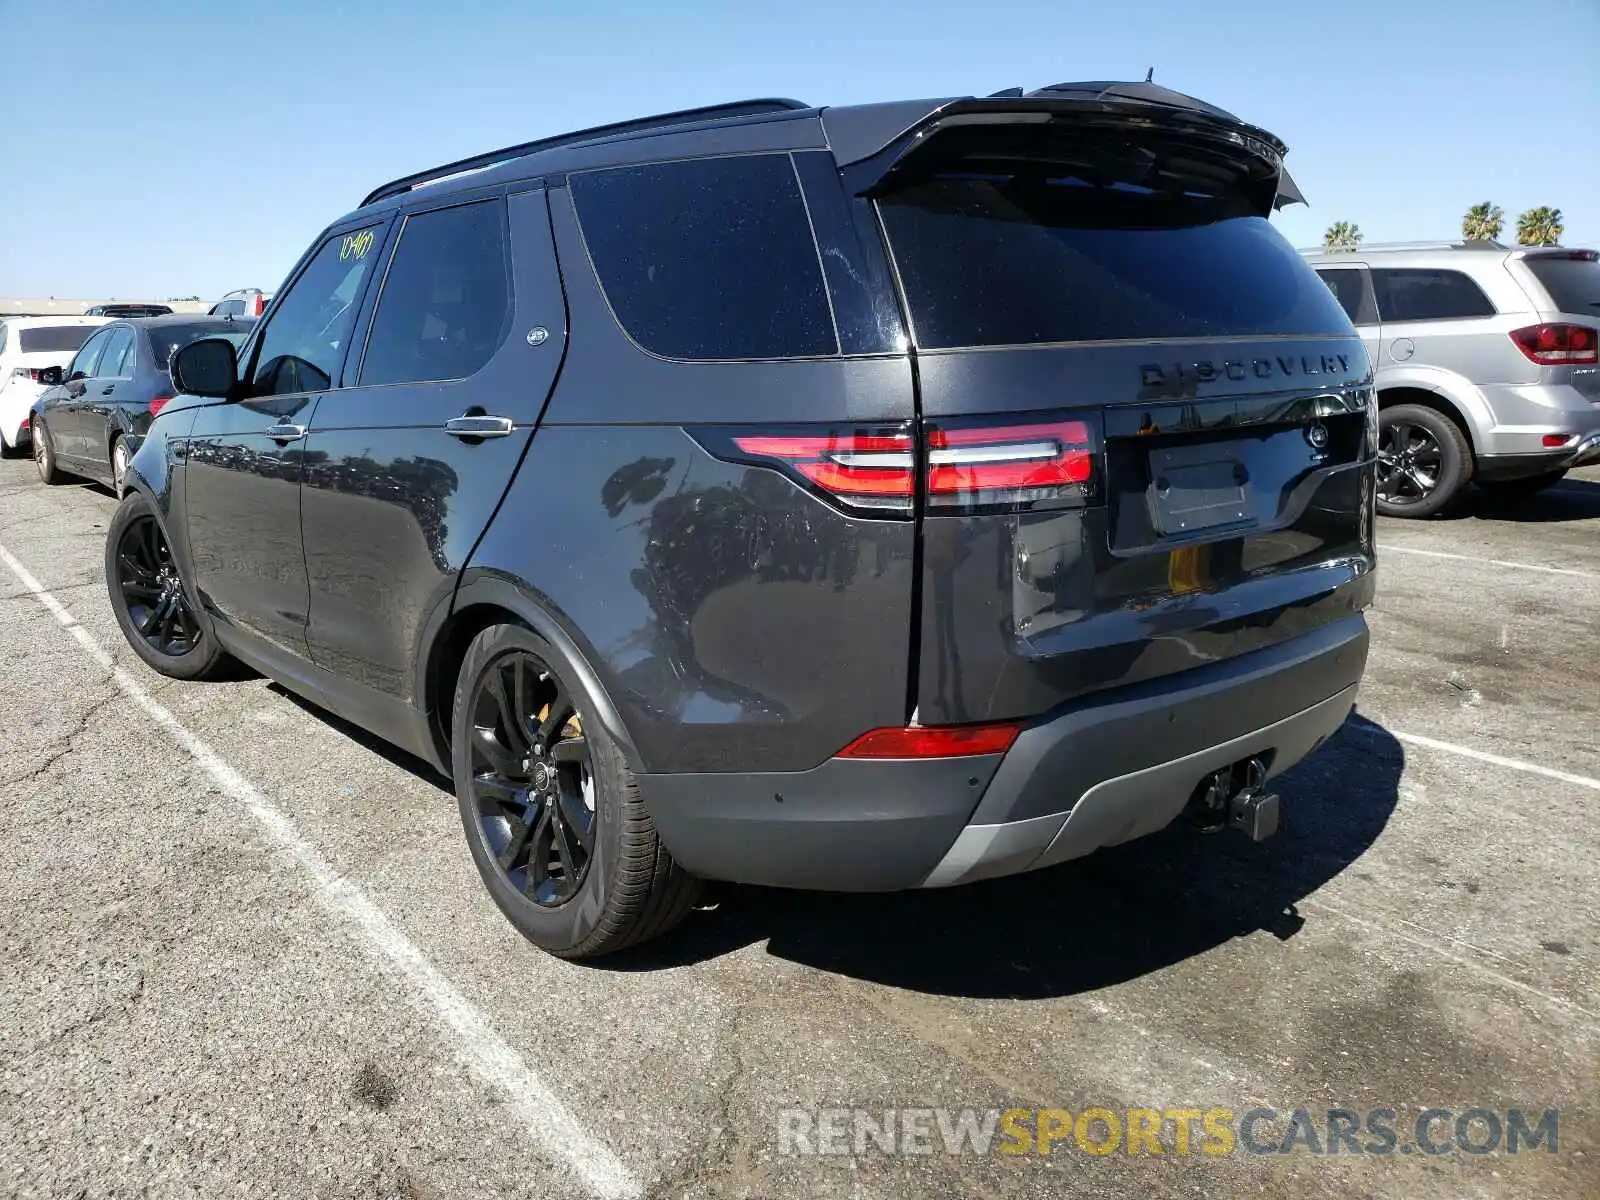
(1232, 799)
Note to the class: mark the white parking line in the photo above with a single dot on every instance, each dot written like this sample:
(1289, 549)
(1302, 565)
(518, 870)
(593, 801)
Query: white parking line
(1498, 760)
(1387, 548)
(485, 1053)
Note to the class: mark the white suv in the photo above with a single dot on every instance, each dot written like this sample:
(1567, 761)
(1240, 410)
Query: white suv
(1487, 363)
(241, 302)
(29, 346)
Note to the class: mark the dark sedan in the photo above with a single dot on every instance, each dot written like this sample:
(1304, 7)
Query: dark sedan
(93, 419)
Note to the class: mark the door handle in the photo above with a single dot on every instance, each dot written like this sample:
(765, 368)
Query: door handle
(106, 391)
(478, 427)
(285, 433)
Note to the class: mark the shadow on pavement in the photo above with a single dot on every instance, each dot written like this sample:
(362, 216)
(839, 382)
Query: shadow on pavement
(1569, 500)
(1101, 920)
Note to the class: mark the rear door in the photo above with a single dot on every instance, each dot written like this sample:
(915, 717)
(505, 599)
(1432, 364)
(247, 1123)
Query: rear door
(1440, 317)
(406, 465)
(1144, 418)
(114, 379)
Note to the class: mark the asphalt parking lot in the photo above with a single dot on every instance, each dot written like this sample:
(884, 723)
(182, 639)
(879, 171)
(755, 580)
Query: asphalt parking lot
(246, 952)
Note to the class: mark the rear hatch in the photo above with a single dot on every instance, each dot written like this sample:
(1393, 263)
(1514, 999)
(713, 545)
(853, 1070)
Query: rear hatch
(1145, 440)
(1566, 342)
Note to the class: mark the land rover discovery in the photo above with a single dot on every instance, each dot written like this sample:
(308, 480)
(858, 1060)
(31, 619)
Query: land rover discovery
(856, 498)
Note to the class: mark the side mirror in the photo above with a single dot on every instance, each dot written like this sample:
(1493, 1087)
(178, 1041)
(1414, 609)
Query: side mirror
(50, 376)
(207, 367)
(77, 375)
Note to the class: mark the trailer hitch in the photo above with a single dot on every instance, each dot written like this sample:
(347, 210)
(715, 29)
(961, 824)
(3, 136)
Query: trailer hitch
(1232, 798)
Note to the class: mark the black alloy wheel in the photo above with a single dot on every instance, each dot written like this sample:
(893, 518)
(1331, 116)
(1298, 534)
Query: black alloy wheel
(1410, 461)
(532, 779)
(152, 590)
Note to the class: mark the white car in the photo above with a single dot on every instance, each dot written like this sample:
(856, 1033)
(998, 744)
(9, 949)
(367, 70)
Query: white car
(28, 345)
(241, 302)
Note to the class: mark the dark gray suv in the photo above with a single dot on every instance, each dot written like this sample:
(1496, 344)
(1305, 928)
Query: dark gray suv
(851, 498)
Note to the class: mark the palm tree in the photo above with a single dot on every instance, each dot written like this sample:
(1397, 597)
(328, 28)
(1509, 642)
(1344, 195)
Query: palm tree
(1483, 222)
(1539, 227)
(1341, 235)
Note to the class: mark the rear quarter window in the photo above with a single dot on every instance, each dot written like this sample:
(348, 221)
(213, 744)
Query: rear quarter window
(708, 258)
(1415, 294)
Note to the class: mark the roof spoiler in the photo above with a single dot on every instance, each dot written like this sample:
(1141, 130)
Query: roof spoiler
(868, 140)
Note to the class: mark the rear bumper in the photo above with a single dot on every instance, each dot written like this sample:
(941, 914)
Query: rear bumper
(1097, 774)
(1584, 450)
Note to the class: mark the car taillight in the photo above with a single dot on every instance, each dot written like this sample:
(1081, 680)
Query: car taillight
(964, 464)
(259, 304)
(871, 469)
(33, 373)
(158, 404)
(971, 466)
(1558, 344)
(924, 741)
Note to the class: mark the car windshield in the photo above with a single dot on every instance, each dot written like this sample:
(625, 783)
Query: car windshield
(44, 339)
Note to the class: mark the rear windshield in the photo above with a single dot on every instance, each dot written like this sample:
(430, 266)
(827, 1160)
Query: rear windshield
(167, 338)
(42, 339)
(1111, 241)
(1573, 283)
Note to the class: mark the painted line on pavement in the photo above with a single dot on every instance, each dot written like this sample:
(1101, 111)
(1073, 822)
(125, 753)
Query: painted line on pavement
(1385, 548)
(483, 1051)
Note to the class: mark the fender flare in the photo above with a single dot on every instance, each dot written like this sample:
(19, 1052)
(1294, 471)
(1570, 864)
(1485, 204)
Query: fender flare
(1463, 395)
(479, 587)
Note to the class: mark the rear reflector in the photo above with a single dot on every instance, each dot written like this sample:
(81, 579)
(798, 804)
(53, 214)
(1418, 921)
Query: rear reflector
(921, 741)
(1554, 441)
(158, 404)
(1558, 344)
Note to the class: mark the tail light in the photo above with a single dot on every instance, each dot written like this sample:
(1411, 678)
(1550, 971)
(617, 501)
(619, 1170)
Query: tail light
(36, 374)
(158, 404)
(259, 304)
(925, 741)
(1558, 344)
(963, 465)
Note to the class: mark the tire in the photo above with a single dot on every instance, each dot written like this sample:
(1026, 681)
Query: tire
(1424, 461)
(151, 601)
(1521, 489)
(120, 458)
(44, 454)
(627, 889)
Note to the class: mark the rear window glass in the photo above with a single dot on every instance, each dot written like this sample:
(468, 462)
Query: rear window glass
(1089, 241)
(1573, 283)
(1418, 295)
(708, 259)
(42, 339)
(167, 338)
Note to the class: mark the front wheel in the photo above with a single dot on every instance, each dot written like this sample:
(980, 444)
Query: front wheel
(1423, 461)
(1518, 489)
(149, 600)
(552, 813)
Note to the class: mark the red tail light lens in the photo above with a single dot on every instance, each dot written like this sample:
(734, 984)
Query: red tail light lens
(1009, 464)
(921, 741)
(259, 305)
(158, 404)
(870, 469)
(1558, 344)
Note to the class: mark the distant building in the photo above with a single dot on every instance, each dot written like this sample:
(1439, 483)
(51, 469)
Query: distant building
(48, 306)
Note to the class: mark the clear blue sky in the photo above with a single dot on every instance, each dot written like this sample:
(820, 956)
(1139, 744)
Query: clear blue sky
(178, 148)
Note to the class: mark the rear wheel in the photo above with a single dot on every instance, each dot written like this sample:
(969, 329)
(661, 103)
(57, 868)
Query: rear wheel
(148, 597)
(552, 814)
(120, 458)
(1517, 489)
(44, 453)
(1423, 461)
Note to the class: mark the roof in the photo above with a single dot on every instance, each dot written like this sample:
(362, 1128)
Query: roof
(61, 319)
(853, 133)
(186, 319)
(1438, 253)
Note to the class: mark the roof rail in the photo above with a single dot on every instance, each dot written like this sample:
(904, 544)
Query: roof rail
(479, 162)
(1458, 244)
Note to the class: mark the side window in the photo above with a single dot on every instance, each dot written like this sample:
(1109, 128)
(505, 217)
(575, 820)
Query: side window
(229, 308)
(709, 258)
(300, 351)
(88, 358)
(1349, 288)
(446, 298)
(1427, 295)
(117, 361)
